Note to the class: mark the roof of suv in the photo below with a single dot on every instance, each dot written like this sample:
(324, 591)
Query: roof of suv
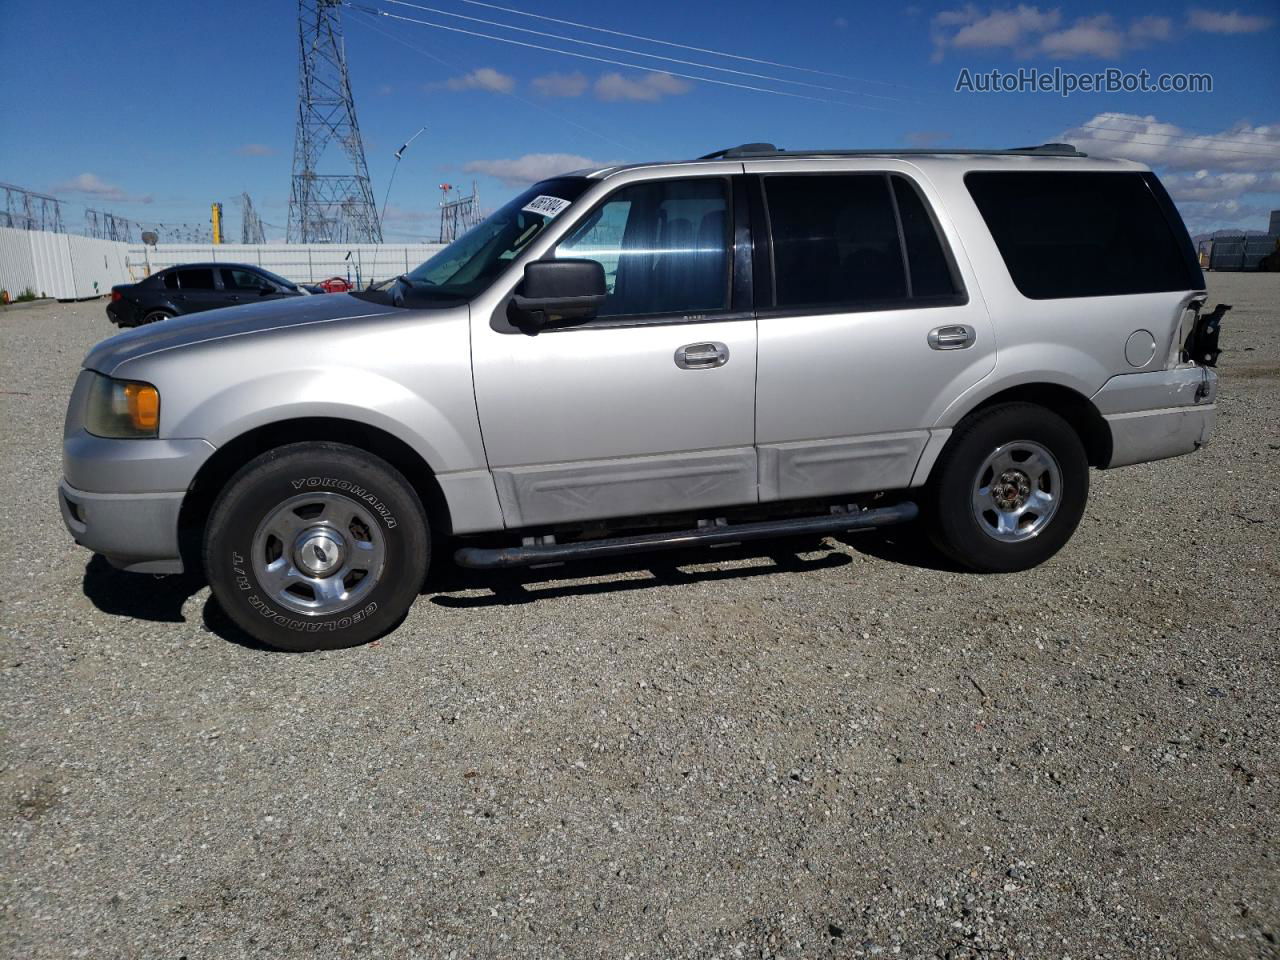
(767, 151)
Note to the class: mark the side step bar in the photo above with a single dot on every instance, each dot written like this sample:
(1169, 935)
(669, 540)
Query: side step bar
(505, 557)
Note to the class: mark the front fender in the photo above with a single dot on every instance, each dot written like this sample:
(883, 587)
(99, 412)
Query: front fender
(406, 375)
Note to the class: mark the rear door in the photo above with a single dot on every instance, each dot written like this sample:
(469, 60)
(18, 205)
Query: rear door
(649, 407)
(198, 290)
(870, 323)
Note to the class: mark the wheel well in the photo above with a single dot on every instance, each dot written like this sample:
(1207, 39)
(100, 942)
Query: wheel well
(1077, 409)
(230, 457)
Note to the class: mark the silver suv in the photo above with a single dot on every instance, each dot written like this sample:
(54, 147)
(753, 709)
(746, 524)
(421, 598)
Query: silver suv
(755, 343)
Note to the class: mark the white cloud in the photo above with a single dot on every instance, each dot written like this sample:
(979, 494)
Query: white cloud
(648, 86)
(529, 168)
(483, 78)
(255, 150)
(1145, 29)
(970, 29)
(92, 185)
(1167, 145)
(561, 84)
(1204, 186)
(1088, 36)
(1214, 21)
(1026, 31)
(1211, 177)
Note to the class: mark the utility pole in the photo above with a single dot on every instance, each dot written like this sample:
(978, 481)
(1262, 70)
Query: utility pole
(216, 221)
(327, 207)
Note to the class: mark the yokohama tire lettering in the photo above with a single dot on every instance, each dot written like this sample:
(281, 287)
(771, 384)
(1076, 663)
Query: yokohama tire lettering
(310, 626)
(353, 489)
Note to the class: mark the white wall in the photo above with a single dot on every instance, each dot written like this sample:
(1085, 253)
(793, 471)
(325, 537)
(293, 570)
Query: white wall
(61, 265)
(299, 262)
(71, 267)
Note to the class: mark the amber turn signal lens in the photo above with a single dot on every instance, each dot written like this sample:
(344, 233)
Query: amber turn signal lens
(144, 406)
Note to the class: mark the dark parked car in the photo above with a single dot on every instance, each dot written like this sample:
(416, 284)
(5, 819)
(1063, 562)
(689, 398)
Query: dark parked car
(193, 287)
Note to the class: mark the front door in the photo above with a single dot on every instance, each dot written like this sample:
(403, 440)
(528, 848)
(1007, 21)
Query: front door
(874, 325)
(649, 408)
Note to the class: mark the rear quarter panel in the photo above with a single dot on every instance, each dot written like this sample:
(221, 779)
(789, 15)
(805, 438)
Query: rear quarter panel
(1077, 343)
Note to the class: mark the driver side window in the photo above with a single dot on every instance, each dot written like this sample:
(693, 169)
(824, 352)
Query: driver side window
(664, 246)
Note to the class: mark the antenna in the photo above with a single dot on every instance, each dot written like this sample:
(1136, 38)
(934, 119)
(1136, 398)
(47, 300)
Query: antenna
(399, 153)
(327, 207)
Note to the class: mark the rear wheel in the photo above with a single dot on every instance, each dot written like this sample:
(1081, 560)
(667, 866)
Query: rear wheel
(317, 546)
(1009, 490)
(155, 316)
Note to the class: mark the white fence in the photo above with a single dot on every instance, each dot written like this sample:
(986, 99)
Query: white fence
(62, 265)
(71, 267)
(299, 262)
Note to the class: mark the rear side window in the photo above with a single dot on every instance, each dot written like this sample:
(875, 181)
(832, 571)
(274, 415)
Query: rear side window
(196, 279)
(171, 281)
(1083, 234)
(835, 240)
(930, 269)
(856, 241)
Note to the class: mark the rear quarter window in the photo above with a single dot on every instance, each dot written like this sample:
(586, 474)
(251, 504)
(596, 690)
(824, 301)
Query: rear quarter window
(1085, 234)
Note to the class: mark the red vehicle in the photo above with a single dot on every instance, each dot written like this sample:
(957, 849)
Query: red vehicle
(333, 285)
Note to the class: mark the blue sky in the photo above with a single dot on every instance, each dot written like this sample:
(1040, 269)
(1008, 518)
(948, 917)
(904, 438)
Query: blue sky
(153, 110)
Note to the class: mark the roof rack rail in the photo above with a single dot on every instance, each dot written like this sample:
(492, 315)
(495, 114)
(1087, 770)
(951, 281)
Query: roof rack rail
(756, 150)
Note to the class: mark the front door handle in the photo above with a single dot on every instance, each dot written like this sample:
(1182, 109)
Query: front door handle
(952, 338)
(702, 356)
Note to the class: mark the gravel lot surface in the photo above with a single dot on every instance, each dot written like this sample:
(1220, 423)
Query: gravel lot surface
(844, 749)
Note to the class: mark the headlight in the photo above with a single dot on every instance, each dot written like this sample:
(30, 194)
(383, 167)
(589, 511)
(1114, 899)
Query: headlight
(122, 409)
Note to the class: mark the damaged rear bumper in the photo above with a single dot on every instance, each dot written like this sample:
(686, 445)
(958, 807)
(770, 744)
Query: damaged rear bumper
(1157, 415)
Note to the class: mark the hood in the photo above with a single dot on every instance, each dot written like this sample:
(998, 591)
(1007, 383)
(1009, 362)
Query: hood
(236, 321)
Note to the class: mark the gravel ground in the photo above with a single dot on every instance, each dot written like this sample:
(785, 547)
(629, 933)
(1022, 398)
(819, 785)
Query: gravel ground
(845, 750)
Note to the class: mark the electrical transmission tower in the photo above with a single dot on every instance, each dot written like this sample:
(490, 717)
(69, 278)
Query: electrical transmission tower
(27, 210)
(108, 226)
(327, 207)
(458, 215)
(251, 230)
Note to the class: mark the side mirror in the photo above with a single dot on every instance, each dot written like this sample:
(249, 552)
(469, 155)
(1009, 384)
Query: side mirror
(554, 291)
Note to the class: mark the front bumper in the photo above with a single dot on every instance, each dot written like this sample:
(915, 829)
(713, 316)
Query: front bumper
(134, 531)
(121, 498)
(1157, 415)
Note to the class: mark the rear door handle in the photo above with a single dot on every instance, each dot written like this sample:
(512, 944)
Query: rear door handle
(955, 337)
(702, 356)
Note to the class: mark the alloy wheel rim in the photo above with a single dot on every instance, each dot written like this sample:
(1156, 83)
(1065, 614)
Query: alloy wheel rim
(319, 553)
(1017, 491)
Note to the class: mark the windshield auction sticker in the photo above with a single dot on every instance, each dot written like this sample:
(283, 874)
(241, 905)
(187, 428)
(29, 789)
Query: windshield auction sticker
(547, 206)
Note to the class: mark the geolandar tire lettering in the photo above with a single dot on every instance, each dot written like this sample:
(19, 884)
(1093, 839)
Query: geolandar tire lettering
(317, 546)
(1009, 489)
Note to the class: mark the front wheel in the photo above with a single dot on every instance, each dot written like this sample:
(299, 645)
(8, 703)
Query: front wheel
(1009, 489)
(317, 546)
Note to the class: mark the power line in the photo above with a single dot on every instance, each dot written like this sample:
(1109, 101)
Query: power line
(1178, 146)
(616, 63)
(1187, 137)
(369, 24)
(641, 53)
(681, 46)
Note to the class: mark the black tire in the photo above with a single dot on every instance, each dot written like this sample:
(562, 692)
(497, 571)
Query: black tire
(969, 535)
(283, 487)
(155, 316)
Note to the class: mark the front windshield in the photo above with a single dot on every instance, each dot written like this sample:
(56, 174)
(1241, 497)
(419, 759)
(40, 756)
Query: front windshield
(468, 265)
